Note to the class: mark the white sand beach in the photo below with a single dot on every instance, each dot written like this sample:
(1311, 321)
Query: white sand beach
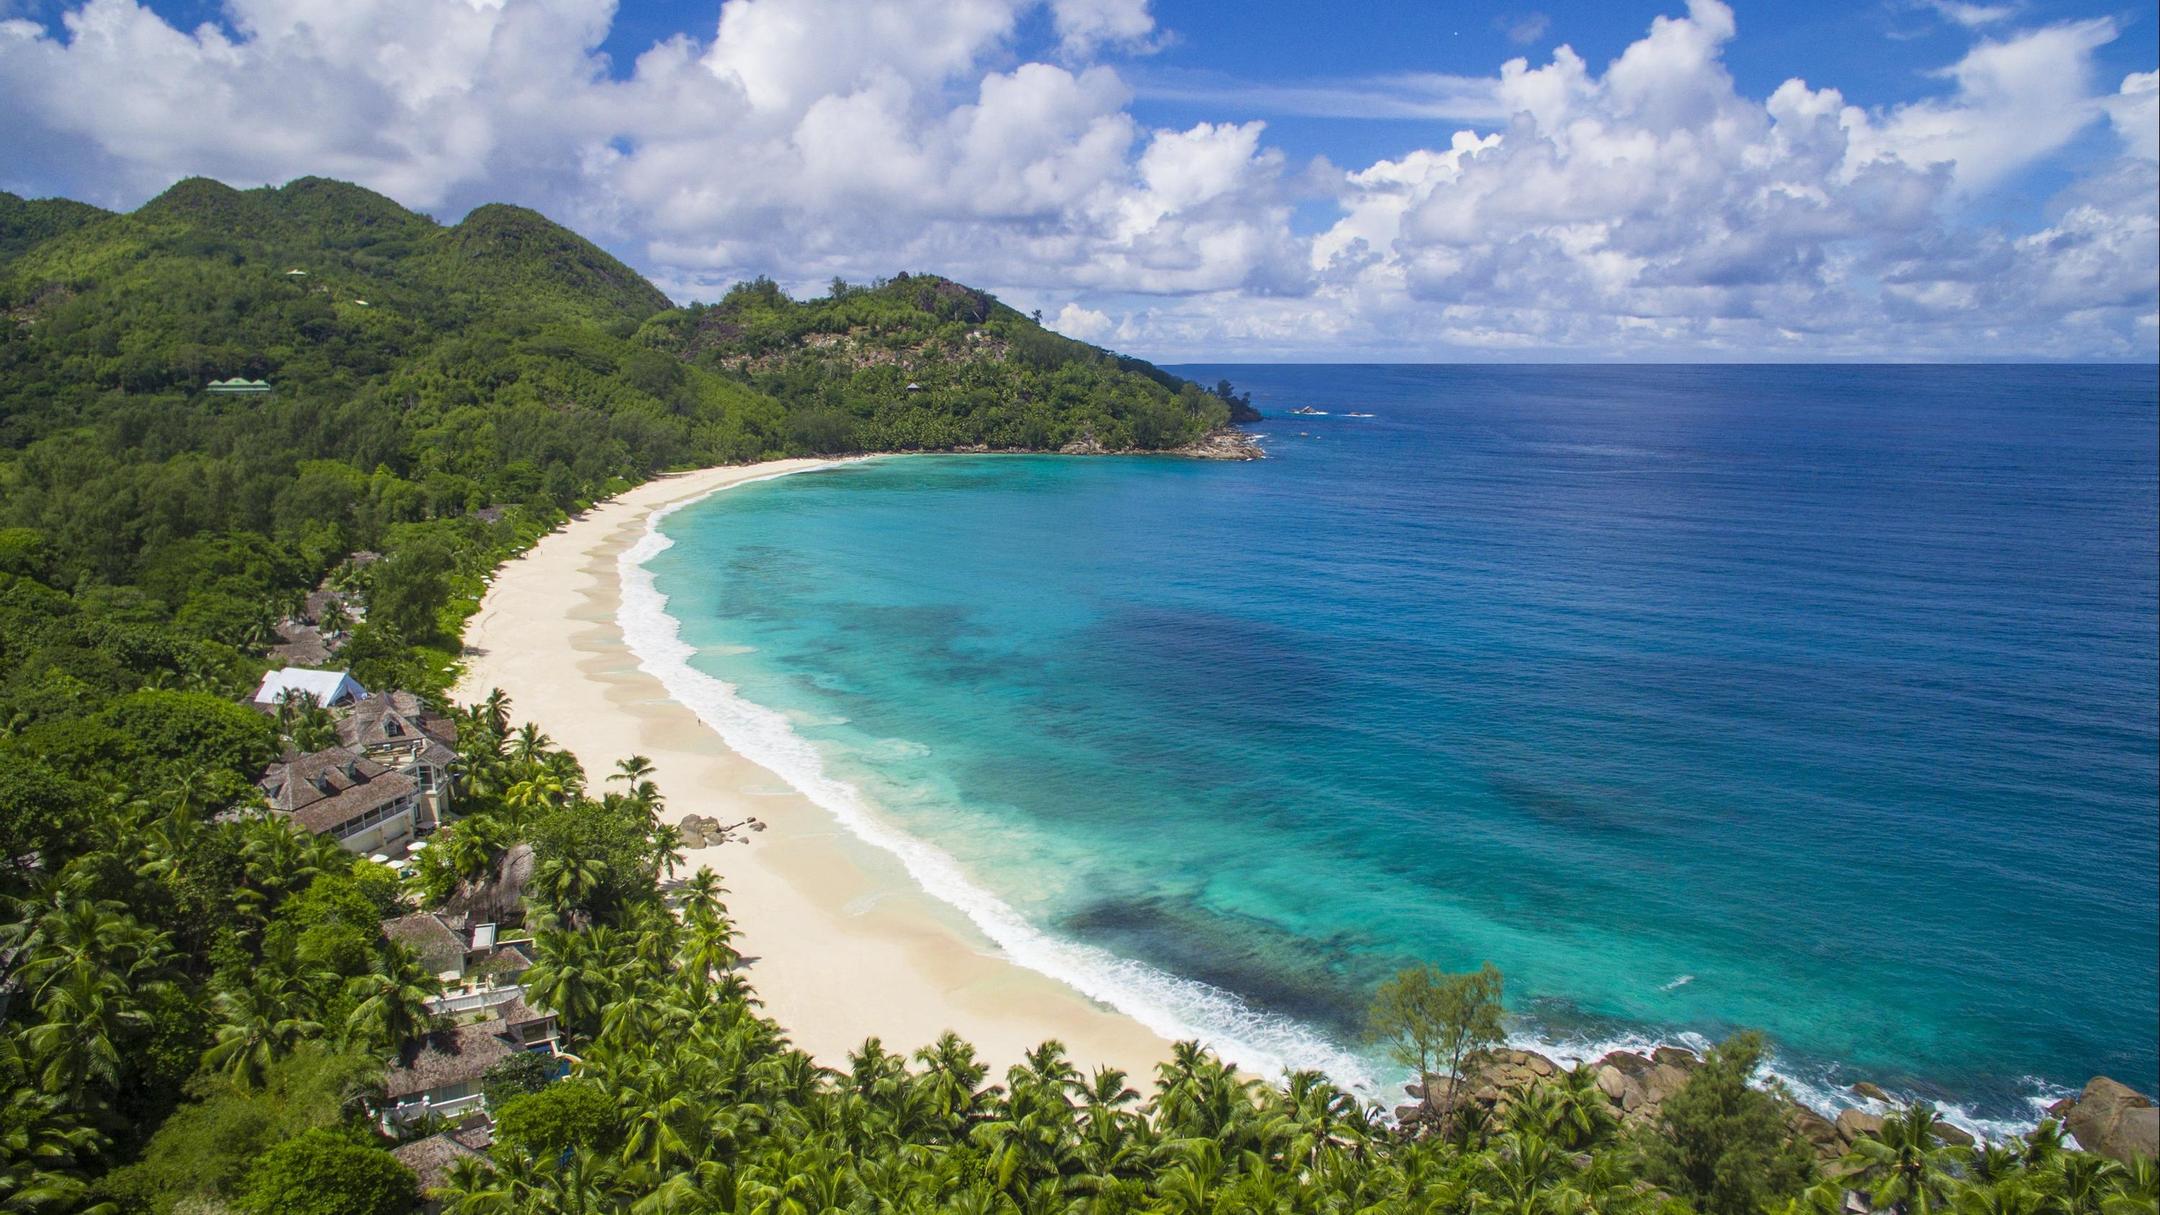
(843, 944)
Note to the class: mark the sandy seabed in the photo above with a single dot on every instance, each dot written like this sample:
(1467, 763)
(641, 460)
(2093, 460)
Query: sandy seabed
(841, 944)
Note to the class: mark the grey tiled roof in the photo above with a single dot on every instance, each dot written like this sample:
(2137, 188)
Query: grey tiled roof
(431, 1158)
(447, 1057)
(438, 946)
(400, 721)
(325, 788)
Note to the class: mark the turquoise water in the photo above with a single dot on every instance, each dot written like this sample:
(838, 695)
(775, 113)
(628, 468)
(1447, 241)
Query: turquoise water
(1817, 700)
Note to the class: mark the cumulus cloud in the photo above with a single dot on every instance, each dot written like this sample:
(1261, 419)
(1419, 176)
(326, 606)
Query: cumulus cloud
(1647, 206)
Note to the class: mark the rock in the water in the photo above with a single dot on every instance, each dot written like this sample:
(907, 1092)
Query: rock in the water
(1674, 1056)
(1855, 1125)
(1870, 1091)
(1952, 1135)
(2115, 1120)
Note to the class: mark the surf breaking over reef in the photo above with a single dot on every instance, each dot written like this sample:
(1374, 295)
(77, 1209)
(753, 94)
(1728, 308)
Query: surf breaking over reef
(1260, 1042)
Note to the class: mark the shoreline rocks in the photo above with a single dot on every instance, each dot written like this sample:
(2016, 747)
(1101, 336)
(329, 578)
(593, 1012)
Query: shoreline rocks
(2114, 1120)
(1228, 443)
(2108, 1119)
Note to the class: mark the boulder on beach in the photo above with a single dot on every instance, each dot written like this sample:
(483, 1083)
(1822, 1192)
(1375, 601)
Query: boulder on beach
(2115, 1120)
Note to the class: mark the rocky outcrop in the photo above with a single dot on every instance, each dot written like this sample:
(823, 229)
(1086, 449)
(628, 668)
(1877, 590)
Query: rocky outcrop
(1870, 1092)
(1854, 1125)
(1227, 443)
(2115, 1120)
(1821, 1134)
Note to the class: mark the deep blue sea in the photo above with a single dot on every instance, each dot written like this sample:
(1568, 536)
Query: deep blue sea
(1820, 700)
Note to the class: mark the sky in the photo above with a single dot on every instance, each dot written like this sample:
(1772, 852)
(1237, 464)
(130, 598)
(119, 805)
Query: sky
(1212, 180)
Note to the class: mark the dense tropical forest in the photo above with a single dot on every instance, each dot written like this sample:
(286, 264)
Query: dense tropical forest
(198, 1002)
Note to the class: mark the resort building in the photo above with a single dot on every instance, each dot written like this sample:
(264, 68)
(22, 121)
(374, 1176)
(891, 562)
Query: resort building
(366, 806)
(442, 1074)
(479, 968)
(330, 689)
(432, 1159)
(400, 732)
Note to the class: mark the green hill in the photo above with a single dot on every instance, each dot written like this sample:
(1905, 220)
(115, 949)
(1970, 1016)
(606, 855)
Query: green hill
(503, 359)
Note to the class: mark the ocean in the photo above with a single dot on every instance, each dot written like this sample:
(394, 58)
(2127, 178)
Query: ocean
(1823, 701)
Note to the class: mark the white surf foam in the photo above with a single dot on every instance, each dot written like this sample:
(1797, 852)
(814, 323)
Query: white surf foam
(1263, 1043)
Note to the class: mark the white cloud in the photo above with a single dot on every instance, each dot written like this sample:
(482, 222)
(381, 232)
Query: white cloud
(1083, 25)
(1645, 207)
(1973, 16)
(2016, 100)
(1086, 324)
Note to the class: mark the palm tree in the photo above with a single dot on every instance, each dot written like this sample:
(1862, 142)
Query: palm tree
(570, 882)
(1904, 1166)
(497, 704)
(536, 794)
(259, 1024)
(87, 1015)
(529, 746)
(2137, 1189)
(570, 976)
(701, 895)
(2083, 1183)
(667, 849)
(2010, 1196)
(390, 1002)
(44, 1145)
(1585, 1114)
(1516, 1177)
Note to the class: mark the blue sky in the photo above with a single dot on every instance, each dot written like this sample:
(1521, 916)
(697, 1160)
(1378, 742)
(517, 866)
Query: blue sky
(1182, 179)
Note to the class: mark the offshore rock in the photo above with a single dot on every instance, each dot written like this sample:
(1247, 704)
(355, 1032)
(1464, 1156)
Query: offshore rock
(1871, 1092)
(2115, 1120)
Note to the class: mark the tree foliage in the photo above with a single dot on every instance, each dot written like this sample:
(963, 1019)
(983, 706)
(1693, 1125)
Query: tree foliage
(1724, 1145)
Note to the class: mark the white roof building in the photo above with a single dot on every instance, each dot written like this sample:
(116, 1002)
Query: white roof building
(327, 687)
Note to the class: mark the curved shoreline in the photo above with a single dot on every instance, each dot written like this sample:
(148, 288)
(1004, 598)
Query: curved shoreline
(842, 944)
